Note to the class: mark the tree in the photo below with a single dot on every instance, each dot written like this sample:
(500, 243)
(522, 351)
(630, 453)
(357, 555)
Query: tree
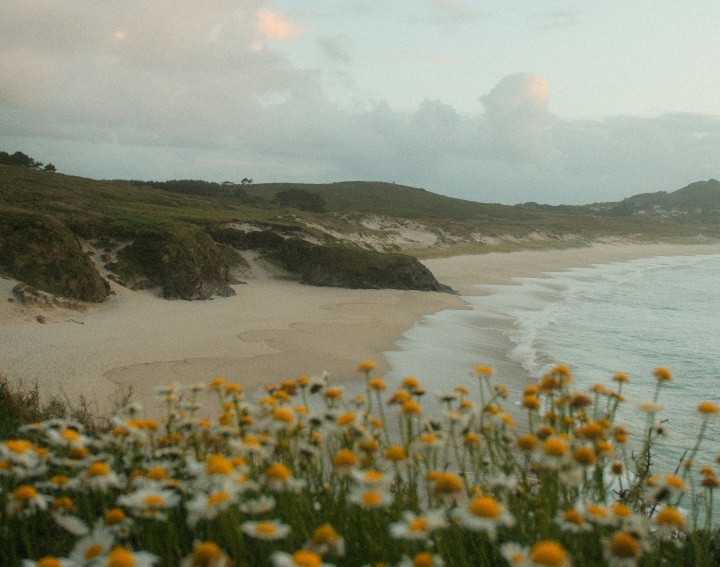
(302, 200)
(19, 159)
(246, 181)
(50, 168)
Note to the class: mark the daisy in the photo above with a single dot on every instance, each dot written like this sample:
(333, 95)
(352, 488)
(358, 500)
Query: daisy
(257, 506)
(208, 506)
(484, 514)
(423, 559)
(549, 553)
(371, 497)
(325, 540)
(98, 476)
(93, 546)
(268, 530)
(149, 502)
(206, 554)
(418, 527)
(26, 501)
(515, 554)
(122, 557)
(48, 561)
(622, 549)
(302, 558)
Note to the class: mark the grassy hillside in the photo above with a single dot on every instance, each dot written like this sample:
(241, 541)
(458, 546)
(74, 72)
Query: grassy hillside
(165, 237)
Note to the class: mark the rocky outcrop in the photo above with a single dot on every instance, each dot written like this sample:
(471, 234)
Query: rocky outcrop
(337, 265)
(42, 252)
(183, 261)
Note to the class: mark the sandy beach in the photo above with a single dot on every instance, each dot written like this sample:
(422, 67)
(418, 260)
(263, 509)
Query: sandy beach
(272, 330)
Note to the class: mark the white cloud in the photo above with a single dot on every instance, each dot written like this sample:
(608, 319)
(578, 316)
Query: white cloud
(176, 89)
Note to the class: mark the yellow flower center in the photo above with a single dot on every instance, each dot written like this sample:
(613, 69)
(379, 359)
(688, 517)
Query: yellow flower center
(218, 464)
(304, 558)
(597, 511)
(624, 545)
(63, 503)
(485, 507)
(25, 493)
(70, 435)
(527, 442)
(114, 516)
(411, 407)
(218, 498)
(372, 498)
(266, 528)
(548, 553)
(98, 469)
(621, 510)
(707, 408)
(423, 559)
(346, 419)
(585, 456)
(675, 482)
(448, 483)
(283, 414)
(555, 447)
(345, 458)
(49, 562)
(93, 551)
(395, 453)
(574, 517)
(377, 384)
(418, 525)
(154, 501)
(19, 446)
(366, 366)
(120, 557)
(324, 534)
(206, 554)
(278, 471)
(157, 473)
(670, 517)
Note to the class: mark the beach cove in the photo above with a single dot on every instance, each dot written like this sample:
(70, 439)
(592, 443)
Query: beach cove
(272, 330)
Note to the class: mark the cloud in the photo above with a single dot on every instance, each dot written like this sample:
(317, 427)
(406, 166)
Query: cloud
(273, 26)
(553, 19)
(453, 11)
(516, 114)
(336, 48)
(175, 89)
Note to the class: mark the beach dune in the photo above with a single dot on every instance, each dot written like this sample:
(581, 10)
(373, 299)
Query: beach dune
(272, 330)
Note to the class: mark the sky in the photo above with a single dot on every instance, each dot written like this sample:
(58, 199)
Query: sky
(502, 101)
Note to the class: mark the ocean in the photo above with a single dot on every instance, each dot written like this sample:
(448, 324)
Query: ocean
(629, 317)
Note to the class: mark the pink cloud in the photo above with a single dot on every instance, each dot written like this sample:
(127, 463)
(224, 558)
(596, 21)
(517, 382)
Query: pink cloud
(273, 26)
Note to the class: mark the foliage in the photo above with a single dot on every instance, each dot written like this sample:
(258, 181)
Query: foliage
(204, 188)
(302, 200)
(42, 252)
(305, 476)
(184, 261)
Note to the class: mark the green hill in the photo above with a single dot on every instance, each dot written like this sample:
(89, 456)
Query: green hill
(160, 234)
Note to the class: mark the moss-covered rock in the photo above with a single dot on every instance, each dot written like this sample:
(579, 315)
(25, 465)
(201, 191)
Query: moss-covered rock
(184, 261)
(336, 265)
(42, 252)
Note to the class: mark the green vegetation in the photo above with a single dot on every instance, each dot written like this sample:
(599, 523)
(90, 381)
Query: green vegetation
(305, 477)
(159, 229)
(43, 253)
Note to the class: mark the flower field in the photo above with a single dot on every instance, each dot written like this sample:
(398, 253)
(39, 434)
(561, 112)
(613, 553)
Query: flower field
(306, 477)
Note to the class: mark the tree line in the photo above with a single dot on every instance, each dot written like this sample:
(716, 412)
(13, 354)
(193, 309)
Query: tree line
(20, 159)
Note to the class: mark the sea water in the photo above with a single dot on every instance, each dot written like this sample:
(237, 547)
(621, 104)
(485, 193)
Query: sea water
(629, 317)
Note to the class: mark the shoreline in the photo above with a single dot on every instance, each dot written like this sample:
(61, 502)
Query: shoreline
(272, 330)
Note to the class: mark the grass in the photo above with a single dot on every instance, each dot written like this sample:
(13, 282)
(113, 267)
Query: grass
(303, 476)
